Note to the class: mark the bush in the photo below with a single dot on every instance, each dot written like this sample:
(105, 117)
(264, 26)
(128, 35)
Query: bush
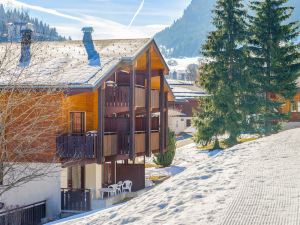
(166, 159)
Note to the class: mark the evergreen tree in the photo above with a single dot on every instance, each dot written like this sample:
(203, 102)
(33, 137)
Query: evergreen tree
(41, 31)
(223, 77)
(275, 58)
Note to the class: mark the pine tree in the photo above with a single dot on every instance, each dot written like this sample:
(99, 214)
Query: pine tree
(223, 77)
(275, 58)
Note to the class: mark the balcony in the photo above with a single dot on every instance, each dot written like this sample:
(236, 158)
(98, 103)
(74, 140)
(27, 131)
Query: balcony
(117, 99)
(76, 146)
(84, 146)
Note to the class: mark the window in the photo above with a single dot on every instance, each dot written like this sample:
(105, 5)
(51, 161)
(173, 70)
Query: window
(298, 106)
(294, 106)
(188, 123)
(77, 122)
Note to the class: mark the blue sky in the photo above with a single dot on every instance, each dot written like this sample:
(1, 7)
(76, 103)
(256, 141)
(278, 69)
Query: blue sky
(110, 18)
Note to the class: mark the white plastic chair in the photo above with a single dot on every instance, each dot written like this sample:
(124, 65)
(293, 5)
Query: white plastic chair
(120, 184)
(127, 184)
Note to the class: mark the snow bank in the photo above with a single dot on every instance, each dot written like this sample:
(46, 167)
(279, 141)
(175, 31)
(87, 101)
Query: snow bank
(198, 195)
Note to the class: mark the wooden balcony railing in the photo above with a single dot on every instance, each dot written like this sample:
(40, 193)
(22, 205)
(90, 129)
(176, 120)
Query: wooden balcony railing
(140, 142)
(76, 146)
(110, 144)
(140, 97)
(154, 141)
(121, 125)
(117, 99)
(155, 99)
(84, 146)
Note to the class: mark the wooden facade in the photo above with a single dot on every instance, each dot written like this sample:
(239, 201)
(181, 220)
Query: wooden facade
(293, 108)
(118, 116)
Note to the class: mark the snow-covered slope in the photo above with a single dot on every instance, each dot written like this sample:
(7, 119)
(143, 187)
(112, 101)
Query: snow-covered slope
(203, 192)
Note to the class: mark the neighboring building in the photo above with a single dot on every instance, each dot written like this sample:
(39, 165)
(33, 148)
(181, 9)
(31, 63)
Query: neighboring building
(187, 95)
(293, 107)
(114, 110)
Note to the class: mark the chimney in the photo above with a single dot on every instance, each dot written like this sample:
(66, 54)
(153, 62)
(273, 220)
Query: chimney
(93, 55)
(26, 34)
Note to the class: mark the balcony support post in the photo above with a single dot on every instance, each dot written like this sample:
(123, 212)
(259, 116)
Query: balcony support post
(132, 113)
(101, 103)
(148, 105)
(166, 121)
(162, 113)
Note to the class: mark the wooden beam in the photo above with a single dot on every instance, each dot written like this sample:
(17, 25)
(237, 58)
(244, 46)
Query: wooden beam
(116, 158)
(162, 113)
(132, 113)
(148, 105)
(166, 120)
(101, 112)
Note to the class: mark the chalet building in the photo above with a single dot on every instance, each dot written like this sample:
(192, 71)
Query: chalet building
(181, 110)
(293, 107)
(114, 111)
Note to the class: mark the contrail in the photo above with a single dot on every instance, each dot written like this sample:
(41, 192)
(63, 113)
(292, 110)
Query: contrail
(137, 13)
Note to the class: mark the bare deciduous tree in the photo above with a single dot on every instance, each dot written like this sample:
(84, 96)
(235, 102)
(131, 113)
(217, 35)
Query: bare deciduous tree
(30, 116)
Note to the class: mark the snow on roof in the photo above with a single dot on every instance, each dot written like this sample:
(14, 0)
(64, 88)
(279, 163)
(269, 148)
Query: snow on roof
(65, 63)
(298, 82)
(185, 89)
(172, 113)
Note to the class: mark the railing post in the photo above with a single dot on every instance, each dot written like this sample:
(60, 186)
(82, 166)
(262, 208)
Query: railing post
(132, 112)
(101, 103)
(162, 113)
(148, 105)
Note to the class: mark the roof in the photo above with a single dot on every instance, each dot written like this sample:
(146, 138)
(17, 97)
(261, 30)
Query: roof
(66, 63)
(172, 113)
(184, 90)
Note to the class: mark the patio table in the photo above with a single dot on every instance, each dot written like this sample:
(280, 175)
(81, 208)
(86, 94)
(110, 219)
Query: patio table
(105, 190)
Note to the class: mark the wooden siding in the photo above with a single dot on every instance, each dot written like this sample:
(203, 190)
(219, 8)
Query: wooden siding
(286, 108)
(110, 145)
(87, 102)
(31, 115)
(133, 172)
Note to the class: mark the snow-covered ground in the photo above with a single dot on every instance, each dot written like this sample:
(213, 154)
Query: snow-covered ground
(203, 190)
(181, 63)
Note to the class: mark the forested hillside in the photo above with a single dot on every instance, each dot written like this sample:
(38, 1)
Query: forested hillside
(12, 20)
(187, 34)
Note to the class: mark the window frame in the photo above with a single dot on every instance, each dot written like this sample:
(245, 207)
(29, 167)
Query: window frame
(71, 121)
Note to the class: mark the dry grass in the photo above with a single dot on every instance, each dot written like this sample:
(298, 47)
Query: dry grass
(224, 145)
(155, 178)
(152, 165)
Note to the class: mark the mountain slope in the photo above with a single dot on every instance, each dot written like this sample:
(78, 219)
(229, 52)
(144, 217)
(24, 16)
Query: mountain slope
(187, 34)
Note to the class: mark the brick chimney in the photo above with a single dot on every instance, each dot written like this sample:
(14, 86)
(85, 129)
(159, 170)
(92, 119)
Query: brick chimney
(93, 55)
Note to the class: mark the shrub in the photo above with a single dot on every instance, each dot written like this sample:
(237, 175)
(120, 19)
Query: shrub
(166, 159)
